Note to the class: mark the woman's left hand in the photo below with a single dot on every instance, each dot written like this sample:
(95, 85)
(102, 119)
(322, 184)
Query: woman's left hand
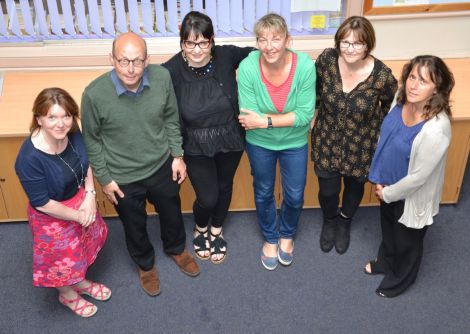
(88, 207)
(251, 120)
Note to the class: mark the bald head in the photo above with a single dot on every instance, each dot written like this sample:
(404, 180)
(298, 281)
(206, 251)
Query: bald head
(129, 38)
(129, 59)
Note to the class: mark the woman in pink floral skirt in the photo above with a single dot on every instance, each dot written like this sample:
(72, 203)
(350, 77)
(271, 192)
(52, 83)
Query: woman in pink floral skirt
(68, 231)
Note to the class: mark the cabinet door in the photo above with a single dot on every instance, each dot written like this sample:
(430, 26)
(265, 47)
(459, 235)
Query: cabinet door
(3, 208)
(14, 198)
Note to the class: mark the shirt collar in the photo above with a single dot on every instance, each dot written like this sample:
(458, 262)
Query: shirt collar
(121, 89)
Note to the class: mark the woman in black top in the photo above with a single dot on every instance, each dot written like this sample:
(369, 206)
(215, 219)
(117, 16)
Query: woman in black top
(354, 93)
(205, 84)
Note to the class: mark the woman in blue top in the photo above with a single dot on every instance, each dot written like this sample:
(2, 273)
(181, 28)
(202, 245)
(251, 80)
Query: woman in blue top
(408, 170)
(68, 231)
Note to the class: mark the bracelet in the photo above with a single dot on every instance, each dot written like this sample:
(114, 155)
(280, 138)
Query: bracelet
(91, 191)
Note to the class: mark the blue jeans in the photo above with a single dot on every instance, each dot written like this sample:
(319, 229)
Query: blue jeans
(293, 165)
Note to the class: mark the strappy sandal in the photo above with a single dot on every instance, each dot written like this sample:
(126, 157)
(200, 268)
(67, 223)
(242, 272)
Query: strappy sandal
(102, 293)
(200, 244)
(216, 247)
(373, 270)
(79, 310)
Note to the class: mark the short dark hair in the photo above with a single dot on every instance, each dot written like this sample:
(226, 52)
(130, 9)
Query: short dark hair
(440, 75)
(49, 97)
(361, 27)
(198, 24)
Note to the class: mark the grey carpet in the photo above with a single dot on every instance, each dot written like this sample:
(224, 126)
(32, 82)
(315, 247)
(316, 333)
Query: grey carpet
(319, 293)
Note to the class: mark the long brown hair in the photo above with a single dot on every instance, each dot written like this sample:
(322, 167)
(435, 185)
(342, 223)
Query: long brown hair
(440, 75)
(49, 97)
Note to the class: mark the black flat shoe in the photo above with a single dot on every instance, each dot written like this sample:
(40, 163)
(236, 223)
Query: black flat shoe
(373, 270)
(328, 234)
(381, 294)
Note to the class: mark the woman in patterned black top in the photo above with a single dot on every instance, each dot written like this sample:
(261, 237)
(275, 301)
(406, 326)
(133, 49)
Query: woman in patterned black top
(354, 93)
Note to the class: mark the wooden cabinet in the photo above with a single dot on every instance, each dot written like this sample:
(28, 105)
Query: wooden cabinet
(20, 89)
(14, 199)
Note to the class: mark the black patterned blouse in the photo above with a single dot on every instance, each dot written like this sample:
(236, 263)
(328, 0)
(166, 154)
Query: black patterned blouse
(347, 125)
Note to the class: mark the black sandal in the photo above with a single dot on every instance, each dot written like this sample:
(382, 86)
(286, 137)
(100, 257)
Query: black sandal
(373, 270)
(217, 244)
(200, 244)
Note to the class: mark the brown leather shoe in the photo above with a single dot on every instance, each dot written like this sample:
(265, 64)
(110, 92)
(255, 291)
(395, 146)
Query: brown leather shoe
(186, 263)
(150, 281)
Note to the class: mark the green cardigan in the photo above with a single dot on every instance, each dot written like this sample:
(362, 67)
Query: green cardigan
(129, 138)
(253, 95)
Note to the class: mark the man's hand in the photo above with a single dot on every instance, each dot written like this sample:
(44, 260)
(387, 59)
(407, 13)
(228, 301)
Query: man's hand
(179, 170)
(110, 190)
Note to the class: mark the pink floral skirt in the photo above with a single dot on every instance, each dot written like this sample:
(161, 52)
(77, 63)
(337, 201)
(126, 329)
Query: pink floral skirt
(62, 249)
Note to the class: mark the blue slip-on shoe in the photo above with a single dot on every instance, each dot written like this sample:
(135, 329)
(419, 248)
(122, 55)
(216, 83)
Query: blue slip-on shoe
(284, 257)
(269, 263)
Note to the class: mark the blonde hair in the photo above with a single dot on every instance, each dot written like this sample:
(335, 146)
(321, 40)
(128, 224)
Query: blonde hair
(271, 22)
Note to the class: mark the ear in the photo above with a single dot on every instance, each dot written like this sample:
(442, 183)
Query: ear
(147, 60)
(38, 119)
(111, 59)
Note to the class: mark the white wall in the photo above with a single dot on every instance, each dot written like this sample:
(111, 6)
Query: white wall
(403, 37)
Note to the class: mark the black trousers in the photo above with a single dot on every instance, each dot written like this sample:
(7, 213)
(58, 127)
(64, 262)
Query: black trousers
(330, 188)
(160, 190)
(212, 180)
(400, 252)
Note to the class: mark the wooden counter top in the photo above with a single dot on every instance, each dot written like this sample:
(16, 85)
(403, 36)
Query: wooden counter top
(21, 88)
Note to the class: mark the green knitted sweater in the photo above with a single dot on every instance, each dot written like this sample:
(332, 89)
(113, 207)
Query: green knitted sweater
(129, 138)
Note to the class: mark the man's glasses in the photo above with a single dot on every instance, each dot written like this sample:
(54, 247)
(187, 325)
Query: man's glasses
(124, 62)
(356, 45)
(192, 45)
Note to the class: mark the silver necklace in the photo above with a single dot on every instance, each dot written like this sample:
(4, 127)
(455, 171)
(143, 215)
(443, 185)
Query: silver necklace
(81, 166)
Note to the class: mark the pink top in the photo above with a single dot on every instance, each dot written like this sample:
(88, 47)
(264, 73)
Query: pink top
(279, 93)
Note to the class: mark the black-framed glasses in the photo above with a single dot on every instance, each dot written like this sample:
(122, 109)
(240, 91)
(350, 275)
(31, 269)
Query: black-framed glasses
(356, 45)
(124, 62)
(192, 45)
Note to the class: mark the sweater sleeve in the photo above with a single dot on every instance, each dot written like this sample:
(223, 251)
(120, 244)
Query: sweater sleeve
(246, 91)
(172, 123)
(238, 54)
(305, 108)
(319, 63)
(430, 152)
(32, 177)
(92, 138)
(388, 93)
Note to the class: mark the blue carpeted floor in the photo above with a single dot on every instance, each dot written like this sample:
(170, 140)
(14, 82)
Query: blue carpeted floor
(319, 293)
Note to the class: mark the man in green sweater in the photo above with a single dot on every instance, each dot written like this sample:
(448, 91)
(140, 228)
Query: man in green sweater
(132, 134)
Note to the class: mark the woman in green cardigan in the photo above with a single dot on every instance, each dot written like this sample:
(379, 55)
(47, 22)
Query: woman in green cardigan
(277, 101)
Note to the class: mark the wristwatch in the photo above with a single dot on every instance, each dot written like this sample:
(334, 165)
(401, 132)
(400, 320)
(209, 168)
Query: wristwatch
(270, 123)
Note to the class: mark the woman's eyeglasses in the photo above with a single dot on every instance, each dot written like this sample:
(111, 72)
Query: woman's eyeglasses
(356, 45)
(192, 45)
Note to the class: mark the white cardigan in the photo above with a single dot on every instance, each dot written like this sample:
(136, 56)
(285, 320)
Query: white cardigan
(421, 188)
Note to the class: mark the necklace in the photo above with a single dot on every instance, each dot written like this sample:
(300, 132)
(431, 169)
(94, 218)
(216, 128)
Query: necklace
(200, 71)
(73, 171)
